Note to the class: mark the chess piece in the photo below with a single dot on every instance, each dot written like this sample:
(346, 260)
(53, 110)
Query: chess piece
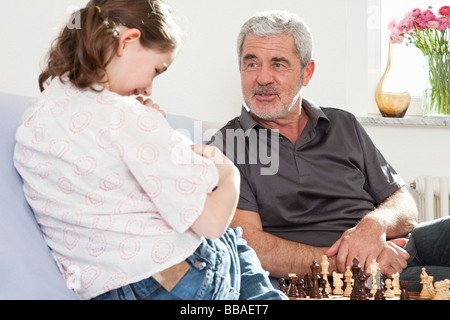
(308, 284)
(404, 290)
(323, 285)
(396, 284)
(379, 294)
(282, 285)
(374, 267)
(442, 290)
(301, 288)
(315, 292)
(292, 289)
(430, 286)
(348, 282)
(365, 291)
(425, 293)
(337, 283)
(389, 293)
(324, 271)
(447, 286)
(358, 279)
(439, 287)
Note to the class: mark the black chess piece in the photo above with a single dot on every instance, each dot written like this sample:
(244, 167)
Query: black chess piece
(315, 277)
(323, 285)
(282, 285)
(292, 290)
(301, 288)
(357, 289)
(404, 290)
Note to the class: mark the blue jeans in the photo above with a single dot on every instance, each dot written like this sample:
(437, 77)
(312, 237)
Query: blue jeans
(223, 269)
(431, 248)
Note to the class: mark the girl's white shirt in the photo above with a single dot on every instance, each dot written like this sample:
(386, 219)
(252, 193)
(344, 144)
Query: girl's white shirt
(114, 188)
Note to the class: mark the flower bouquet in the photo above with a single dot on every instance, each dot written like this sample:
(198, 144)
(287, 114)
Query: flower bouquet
(430, 33)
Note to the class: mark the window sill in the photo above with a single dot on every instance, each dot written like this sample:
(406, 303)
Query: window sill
(407, 121)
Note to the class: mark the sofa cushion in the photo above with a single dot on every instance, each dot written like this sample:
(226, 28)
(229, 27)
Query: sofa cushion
(27, 268)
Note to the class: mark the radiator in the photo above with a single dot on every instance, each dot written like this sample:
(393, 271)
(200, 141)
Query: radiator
(433, 197)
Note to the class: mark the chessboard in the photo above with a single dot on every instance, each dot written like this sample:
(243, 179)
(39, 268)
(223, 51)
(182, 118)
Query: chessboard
(354, 284)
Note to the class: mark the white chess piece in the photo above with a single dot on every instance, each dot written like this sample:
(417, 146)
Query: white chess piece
(348, 282)
(337, 283)
(425, 293)
(374, 266)
(396, 284)
(440, 288)
(389, 293)
(430, 286)
(324, 271)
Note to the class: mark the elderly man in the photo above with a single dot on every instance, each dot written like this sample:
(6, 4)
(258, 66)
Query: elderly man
(330, 191)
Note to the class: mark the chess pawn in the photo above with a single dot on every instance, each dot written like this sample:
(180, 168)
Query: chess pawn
(389, 293)
(301, 288)
(323, 285)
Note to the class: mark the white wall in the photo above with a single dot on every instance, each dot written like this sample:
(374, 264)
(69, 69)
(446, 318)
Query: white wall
(204, 80)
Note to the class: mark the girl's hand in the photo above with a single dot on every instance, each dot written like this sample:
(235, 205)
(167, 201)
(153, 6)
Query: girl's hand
(225, 167)
(149, 103)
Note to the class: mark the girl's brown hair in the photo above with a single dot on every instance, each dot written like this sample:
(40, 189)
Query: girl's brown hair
(82, 53)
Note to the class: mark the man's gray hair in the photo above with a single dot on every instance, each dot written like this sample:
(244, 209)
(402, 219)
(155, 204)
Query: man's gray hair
(273, 23)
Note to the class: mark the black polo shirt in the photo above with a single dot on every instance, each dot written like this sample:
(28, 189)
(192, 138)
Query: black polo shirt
(313, 191)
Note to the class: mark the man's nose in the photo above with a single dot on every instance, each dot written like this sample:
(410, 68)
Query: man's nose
(265, 75)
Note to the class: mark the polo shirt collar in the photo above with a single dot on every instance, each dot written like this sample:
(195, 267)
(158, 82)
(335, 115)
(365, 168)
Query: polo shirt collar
(315, 114)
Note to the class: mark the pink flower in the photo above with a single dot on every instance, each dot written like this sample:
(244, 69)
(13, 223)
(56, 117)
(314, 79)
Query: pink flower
(416, 13)
(444, 23)
(405, 25)
(396, 36)
(392, 25)
(445, 11)
(434, 24)
(425, 17)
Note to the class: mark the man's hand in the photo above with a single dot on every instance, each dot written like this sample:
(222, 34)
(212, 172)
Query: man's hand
(393, 258)
(366, 241)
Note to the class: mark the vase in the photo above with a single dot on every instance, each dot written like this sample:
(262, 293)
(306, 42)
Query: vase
(392, 95)
(436, 95)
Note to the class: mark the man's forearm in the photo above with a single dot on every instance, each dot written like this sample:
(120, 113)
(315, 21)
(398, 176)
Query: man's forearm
(397, 215)
(280, 257)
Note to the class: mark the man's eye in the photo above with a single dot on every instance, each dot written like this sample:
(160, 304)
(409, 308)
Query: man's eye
(252, 65)
(278, 65)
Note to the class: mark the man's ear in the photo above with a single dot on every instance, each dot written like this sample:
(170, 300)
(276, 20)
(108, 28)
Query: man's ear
(308, 73)
(128, 37)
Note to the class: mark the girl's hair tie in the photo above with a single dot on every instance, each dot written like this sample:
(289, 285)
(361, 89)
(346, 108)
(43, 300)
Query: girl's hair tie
(99, 9)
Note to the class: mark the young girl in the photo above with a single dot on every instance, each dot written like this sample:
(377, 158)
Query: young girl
(125, 205)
